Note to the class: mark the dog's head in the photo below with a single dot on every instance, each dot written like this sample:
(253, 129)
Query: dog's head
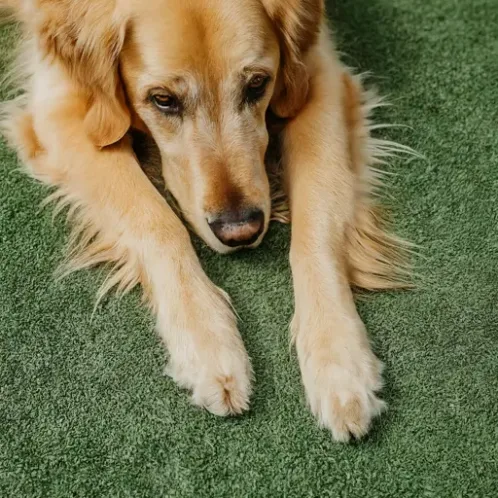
(199, 76)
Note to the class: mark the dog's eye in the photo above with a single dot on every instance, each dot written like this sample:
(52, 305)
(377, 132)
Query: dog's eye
(256, 87)
(167, 103)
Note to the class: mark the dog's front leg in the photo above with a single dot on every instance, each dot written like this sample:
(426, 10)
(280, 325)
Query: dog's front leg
(339, 370)
(131, 225)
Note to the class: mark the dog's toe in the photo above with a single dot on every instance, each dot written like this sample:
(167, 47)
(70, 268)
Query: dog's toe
(351, 418)
(223, 395)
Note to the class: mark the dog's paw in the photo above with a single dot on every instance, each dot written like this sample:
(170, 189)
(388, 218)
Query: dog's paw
(343, 401)
(341, 379)
(220, 385)
(206, 352)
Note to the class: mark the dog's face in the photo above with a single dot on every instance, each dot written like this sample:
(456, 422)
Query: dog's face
(200, 76)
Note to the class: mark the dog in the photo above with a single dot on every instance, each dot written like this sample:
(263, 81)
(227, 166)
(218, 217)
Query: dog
(212, 82)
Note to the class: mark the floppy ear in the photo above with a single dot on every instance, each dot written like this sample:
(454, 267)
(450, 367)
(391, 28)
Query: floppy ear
(86, 37)
(298, 24)
(108, 117)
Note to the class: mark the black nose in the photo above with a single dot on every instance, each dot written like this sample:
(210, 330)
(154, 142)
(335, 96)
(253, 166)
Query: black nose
(239, 227)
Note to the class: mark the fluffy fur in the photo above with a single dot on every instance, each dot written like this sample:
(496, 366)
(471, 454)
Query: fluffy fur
(82, 65)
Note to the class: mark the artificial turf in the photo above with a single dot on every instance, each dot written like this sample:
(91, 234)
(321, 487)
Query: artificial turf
(85, 410)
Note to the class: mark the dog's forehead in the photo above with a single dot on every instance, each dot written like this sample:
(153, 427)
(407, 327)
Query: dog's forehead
(184, 36)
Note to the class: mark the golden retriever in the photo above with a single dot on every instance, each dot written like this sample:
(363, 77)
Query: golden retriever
(207, 79)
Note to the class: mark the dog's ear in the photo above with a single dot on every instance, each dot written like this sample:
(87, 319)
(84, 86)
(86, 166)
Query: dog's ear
(86, 37)
(298, 25)
(108, 117)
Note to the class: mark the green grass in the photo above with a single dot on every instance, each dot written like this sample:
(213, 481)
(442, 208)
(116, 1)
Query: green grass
(85, 410)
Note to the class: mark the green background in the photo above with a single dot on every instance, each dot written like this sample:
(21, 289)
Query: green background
(85, 410)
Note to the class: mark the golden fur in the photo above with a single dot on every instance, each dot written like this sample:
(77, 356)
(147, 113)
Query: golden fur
(90, 69)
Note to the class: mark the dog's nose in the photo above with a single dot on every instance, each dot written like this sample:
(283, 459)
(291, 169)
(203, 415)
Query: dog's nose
(238, 228)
